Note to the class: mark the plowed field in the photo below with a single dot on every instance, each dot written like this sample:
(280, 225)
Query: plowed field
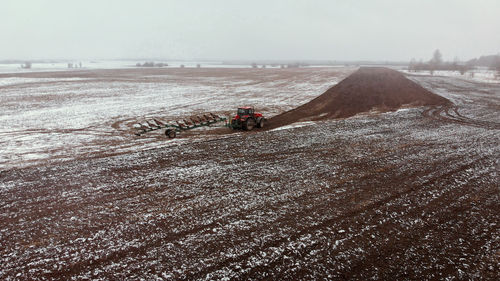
(411, 194)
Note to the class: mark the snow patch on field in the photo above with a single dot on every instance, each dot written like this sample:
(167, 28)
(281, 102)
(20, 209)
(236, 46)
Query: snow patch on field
(295, 125)
(58, 118)
(9, 81)
(478, 75)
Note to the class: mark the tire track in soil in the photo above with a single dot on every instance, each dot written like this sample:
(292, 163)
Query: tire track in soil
(86, 265)
(323, 224)
(173, 236)
(188, 233)
(451, 114)
(350, 215)
(437, 207)
(257, 207)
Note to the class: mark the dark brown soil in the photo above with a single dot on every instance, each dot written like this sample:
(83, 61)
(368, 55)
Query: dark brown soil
(408, 195)
(369, 88)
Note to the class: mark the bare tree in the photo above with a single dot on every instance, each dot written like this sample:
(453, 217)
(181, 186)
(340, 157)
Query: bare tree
(437, 58)
(497, 67)
(455, 65)
(413, 65)
(436, 61)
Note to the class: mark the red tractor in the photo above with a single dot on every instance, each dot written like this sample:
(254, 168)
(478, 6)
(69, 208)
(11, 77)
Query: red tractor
(246, 118)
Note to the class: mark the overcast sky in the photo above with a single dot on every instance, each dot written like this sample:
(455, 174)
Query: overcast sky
(248, 30)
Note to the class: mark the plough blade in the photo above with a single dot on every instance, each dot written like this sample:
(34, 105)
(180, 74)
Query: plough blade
(185, 124)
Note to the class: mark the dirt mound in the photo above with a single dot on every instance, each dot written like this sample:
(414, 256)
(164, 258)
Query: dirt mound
(367, 89)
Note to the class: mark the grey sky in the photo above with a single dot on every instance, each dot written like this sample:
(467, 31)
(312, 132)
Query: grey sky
(272, 29)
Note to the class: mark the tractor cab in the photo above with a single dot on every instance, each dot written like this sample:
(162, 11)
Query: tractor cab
(244, 111)
(246, 118)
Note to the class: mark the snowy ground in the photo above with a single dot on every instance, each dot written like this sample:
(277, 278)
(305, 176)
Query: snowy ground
(66, 115)
(406, 195)
(114, 64)
(121, 64)
(476, 75)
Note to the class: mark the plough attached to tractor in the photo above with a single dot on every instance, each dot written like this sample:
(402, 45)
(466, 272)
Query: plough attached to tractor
(246, 119)
(171, 129)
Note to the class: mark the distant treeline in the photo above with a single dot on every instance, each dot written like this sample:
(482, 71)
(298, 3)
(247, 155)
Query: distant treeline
(492, 62)
(437, 63)
(30, 61)
(289, 65)
(151, 64)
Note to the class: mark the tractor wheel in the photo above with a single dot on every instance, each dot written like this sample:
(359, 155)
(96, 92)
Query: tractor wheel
(170, 133)
(249, 124)
(260, 123)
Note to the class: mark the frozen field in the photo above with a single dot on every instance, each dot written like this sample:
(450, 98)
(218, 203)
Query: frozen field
(106, 64)
(71, 114)
(406, 195)
(477, 75)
